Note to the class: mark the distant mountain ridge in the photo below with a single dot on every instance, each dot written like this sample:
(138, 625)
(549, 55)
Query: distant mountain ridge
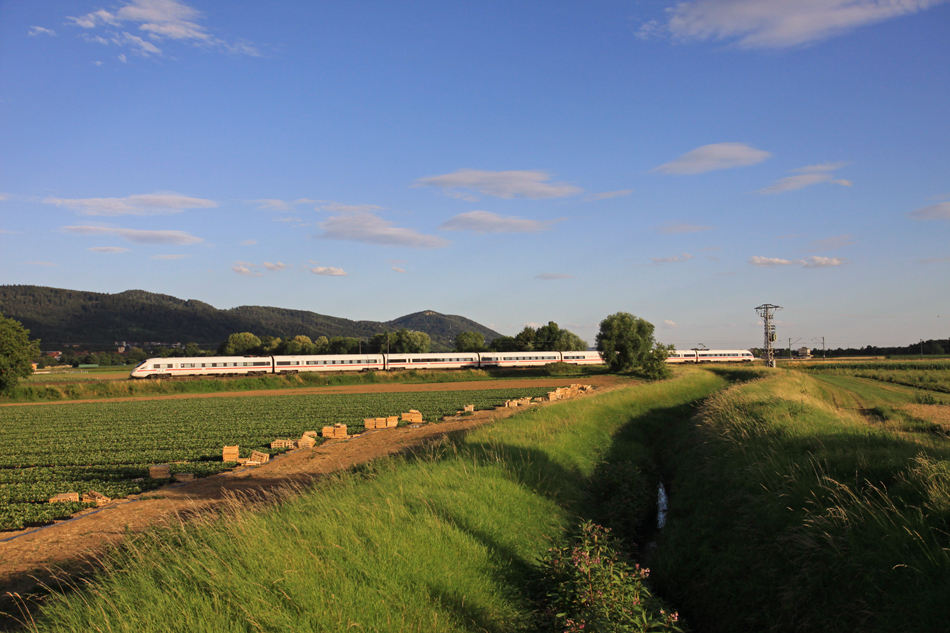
(57, 317)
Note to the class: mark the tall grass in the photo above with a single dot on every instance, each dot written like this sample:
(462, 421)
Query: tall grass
(789, 514)
(443, 540)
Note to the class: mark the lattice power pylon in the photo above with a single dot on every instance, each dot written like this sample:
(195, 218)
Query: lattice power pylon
(766, 311)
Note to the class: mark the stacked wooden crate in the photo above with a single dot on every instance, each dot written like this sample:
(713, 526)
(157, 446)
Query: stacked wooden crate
(230, 453)
(390, 422)
(412, 417)
(337, 431)
(283, 444)
(64, 497)
(160, 471)
(307, 441)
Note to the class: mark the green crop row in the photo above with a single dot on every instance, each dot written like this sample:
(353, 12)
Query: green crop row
(104, 446)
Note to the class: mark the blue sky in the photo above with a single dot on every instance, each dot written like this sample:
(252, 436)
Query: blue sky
(511, 162)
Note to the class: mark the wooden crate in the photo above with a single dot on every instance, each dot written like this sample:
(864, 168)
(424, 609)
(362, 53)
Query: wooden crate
(160, 471)
(339, 431)
(259, 457)
(184, 476)
(64, 497)
(230, 453)
(282, 444)
(469, 408)
(328, 431)
(306, 441)
(309, 433)
(96, 497)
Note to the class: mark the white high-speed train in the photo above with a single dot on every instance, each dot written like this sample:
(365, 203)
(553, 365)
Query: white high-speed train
(711, 356)
(261, 365)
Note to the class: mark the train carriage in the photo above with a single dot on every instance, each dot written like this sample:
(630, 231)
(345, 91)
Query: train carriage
(332, 362)
(203, 366)
(439, 360)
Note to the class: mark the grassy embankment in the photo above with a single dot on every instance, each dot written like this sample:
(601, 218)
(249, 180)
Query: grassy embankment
(445, 540)
(82, 387)
(789, 513)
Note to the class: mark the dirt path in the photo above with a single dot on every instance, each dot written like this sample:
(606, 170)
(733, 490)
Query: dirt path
(28, 558)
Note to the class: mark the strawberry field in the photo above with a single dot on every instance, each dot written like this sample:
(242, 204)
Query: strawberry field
(108, 446)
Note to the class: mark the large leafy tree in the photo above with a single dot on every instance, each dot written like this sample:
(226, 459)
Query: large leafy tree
(469, 342)
(17, 352)
(626, 343)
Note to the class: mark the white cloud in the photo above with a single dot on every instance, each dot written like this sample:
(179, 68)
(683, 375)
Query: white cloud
(246, 270)
(808, 176)
(552, 276)
(487, 222)
(39, 30)
(669, 324)
(713, 157)
(684, 257)
(822, 262)
(366, 227)
(168, 257)
(398, 269)
(275, 267)
(769, 261)
(780, 24)
(808, 262)
(673, 229)
(940, 211)
(137, 236)
(607, 195)
(159, 20)
(108, 249)
(145, 204)
(329, 271)
(501, 184)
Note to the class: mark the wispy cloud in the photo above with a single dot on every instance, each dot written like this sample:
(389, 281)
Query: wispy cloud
(684, 257)
(136, 236)
(673, 229)
(487, 222)
(777, 24)
(935, 260)
(398, 269)
(39, 30)
(809, 262)
(249, 243)
(108, 249)
(807, 176)
(145, 204)
(831, 243)
(501, 184)
(361, 226)
(552, 276)
(168, 257)
(158, 20)
(940, 211)
(714, 157)
(45, 264)
(607, 195)
(670, 325)
(275, 267)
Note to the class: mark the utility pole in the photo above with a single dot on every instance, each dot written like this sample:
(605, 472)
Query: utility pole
(822, 345)
(767, 312)
(790, 347)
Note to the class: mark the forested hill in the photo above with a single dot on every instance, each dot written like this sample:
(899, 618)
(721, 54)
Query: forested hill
(58, 317)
